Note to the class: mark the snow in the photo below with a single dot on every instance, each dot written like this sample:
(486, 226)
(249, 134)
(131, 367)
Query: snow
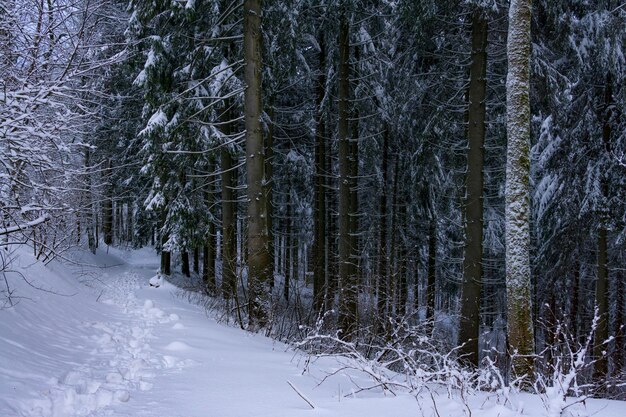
(159, 118)
(100, 341)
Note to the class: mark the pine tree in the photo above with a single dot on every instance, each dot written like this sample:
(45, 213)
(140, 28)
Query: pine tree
(518, 280)
(473, 258)
(259, 268)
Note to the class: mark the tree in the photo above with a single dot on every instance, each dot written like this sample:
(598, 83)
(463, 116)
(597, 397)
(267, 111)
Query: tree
(259, 267)
(517, 209)
(347, 280)
(319, 243)
(472, 261)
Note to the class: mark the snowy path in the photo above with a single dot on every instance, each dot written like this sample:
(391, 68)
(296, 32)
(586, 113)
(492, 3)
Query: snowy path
(121, 348)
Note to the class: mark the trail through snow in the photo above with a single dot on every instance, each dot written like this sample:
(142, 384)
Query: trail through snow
(114, 346)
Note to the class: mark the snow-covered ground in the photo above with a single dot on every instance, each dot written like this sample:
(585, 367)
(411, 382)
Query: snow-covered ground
(96, 340)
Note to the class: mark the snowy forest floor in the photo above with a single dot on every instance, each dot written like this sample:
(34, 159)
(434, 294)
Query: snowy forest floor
(93, 339)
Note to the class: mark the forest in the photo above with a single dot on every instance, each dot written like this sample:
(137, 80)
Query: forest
(431, 187)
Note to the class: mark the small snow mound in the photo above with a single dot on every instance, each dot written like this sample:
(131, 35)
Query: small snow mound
(103, 398)
(177, 346)
(169, 361)
(178, 326)
(148, 304)
(114, 377)
(122, 395)
(156, 281)
(174, 317)
(155, 313)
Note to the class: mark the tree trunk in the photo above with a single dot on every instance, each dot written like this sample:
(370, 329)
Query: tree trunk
(469, 325)
(332, 234)
(269, 173)
(208, 250)
(602, 303)
(403, 259)
(89, 217)
(319, 242)
(259, 258)
(347, 286)
(573, 320)
(130, 225)
(166, 267)
(432, 269)
(602, 306)
(107, 206)
(196, 259)
(354, 184)
(288, 246)
(393, 290)
(185, 263)
(383, 262)
(517, 189)
(618, 349)
(229, 240)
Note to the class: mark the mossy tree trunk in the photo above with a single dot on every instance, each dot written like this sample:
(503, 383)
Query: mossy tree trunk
(520, 335)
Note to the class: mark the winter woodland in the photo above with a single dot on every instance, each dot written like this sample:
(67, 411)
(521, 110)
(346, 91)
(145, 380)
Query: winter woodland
(428, 196)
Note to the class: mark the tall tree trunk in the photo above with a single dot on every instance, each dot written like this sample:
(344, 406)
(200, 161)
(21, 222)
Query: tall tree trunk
(269, 173)
(431, 280)
(573, 320)
(166, 267)
(402, 257)
(618, 349)
(208, 250)
(393, 290)
(517, 189)
(196, 259)
(185, 263)
(332, 235)
(130, 224)
(259, 258)
(319, 242)
(348, 294)
(229, 210)
(602, 303)
(107, 206)
(119, 223)
(89, 213)
(288, 246)
(469, 324)
(383, 262)
(354, 182)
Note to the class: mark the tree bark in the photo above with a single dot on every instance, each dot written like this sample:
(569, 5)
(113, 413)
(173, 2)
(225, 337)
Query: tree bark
(89, 212)
(288, 246)
(259, 267)
(196, 259)
(469, 325)
(208, 250)
(354, 183)
(383, 262)
(602, 303)
(573, 320)
(229, 240)
(431, 279)
(185, 263)
(347, 286)
(319, 243)
(107, 206)
(269, 173)
(393, 290)
(517, 189)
